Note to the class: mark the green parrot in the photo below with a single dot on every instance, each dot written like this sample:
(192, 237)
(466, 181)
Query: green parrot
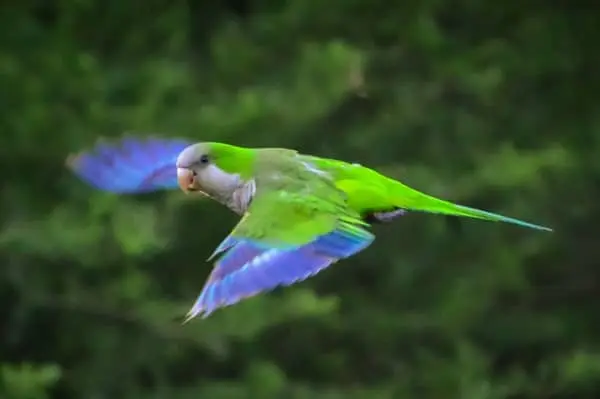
(300, 213)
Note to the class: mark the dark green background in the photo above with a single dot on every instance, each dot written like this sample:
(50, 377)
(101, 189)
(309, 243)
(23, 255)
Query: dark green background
(490, 104)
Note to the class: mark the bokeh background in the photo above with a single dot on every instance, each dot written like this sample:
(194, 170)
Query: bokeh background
(490, 104)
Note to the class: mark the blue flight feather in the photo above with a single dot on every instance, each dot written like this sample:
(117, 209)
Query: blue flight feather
(243, 253)
(130, 165)
(248, 268)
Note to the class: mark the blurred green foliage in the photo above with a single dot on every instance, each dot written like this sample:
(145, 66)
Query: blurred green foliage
(493, 105)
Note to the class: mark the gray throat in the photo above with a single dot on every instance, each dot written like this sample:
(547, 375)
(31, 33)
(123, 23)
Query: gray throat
(239, 200)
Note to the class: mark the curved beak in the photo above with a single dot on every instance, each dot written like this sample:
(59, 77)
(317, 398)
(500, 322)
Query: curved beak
(185, 178)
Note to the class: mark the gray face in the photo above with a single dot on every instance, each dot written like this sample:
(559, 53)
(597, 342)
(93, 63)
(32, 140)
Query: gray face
(196, 171)
(193, 155)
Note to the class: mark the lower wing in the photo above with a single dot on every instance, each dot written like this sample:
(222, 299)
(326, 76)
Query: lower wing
(249, 268)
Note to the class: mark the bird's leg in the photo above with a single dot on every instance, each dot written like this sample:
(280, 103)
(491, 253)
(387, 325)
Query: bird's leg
(384, 216)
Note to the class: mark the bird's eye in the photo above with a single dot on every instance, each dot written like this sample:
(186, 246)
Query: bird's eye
(204, 159)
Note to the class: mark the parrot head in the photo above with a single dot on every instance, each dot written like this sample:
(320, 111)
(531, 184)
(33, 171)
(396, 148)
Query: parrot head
(213, 169)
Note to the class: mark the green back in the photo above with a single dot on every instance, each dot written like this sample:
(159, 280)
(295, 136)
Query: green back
(294, 203)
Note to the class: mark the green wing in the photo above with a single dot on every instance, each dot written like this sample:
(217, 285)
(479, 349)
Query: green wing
(297, 225)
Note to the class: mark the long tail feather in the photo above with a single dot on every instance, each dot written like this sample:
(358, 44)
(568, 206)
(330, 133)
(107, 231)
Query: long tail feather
(413, 200)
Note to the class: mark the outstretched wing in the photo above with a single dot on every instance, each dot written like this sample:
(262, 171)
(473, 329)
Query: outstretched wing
(292, 230)
(130, 165)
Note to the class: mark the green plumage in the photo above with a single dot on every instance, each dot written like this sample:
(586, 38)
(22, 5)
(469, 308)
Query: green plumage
(293, 205)
(365, 189)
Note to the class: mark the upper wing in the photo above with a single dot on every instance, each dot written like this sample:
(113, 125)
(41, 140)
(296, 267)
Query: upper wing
(130, 165)
(290, 232)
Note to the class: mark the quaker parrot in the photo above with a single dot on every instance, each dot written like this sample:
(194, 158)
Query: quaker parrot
(300, 213)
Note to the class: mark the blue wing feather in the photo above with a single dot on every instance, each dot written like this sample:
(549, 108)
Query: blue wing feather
(247, 268)
(130, 165)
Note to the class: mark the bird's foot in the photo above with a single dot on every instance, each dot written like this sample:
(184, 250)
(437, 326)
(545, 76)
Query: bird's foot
(383, 217)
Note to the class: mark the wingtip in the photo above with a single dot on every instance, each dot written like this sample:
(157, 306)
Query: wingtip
(187, 319)
(193, 314)
(72, 160)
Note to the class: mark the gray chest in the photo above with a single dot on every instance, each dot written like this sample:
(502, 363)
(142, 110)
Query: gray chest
(240, 198)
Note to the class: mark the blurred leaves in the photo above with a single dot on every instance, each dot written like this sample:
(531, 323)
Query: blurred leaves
(491, 106)
(27, 381)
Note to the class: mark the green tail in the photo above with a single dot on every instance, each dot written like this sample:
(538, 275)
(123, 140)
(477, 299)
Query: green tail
(413, 200)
